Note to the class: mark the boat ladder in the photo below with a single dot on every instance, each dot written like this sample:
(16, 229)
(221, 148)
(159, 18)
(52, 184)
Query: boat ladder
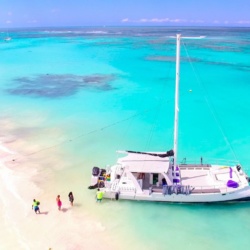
(114, 185)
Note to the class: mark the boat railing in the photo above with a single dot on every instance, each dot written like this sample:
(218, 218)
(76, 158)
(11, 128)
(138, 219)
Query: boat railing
(114, 186)
(208, 162)
(187, 189)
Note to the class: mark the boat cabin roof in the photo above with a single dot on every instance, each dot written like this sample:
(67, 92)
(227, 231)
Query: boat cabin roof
(143, 163)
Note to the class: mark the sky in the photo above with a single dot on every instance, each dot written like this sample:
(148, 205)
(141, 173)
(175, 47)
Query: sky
(53, 13)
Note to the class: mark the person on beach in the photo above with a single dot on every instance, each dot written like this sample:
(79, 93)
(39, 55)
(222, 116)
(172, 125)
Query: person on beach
(99, 195)
(71, 198)
(35, 206)
(59, 202)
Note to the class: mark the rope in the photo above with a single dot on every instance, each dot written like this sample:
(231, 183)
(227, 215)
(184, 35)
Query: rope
(210, 106)
(124, 135)
(82, 135)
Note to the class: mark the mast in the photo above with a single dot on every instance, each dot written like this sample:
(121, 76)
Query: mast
(177, 78)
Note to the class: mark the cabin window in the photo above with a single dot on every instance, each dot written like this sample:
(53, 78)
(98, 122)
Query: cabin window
(155, 179)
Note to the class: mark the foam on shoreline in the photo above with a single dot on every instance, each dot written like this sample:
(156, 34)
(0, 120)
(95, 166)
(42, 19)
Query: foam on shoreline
(12, 203)
(71, 228)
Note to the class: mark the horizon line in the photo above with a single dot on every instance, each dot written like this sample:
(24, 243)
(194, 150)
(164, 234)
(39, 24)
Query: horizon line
(107, 26)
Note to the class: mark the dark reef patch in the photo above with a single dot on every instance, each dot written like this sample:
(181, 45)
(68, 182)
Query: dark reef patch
(53, 85)
(242, 67)
(170, 59)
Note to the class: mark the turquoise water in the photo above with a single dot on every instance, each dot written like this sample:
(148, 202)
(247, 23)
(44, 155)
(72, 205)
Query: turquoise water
(88, 92)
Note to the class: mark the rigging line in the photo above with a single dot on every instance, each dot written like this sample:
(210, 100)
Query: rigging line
(210, 106)
(82, 135)
(124, 135)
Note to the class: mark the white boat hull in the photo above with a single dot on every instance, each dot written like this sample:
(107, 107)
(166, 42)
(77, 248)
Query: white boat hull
(236, 196)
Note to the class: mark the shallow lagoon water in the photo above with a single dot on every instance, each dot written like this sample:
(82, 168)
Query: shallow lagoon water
(92, 91)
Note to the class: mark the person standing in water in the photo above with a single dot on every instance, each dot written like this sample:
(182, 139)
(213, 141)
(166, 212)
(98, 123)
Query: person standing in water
(35, 206)
(71, 198)
(59, 202)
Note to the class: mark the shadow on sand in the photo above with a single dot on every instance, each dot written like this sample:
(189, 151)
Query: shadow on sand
(64, 210)
(45, 213)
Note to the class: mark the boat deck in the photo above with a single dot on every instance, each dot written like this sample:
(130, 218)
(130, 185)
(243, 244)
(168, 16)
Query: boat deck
(197, 178)
(202, 177)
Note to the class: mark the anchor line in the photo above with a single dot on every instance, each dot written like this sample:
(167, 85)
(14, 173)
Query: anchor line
(82, 135)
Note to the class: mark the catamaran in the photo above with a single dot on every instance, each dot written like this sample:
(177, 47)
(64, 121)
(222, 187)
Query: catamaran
(7, 39)
(157, 176)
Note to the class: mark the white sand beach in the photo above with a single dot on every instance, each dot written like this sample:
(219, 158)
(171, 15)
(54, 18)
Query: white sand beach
(43, 176)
